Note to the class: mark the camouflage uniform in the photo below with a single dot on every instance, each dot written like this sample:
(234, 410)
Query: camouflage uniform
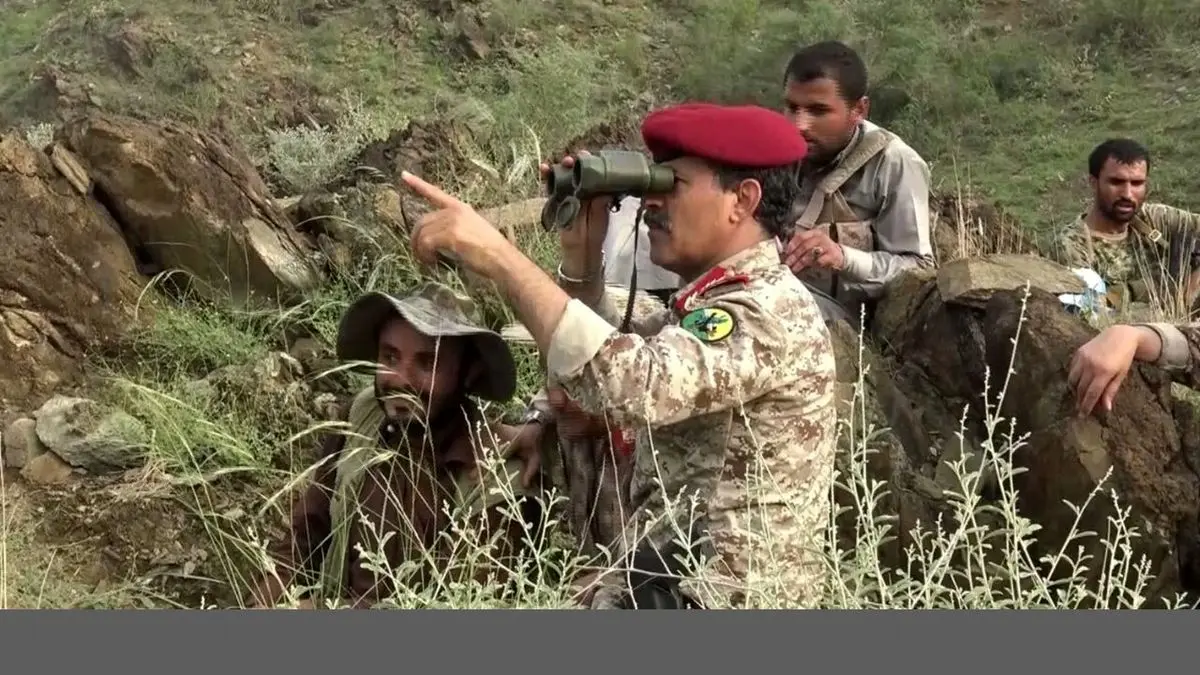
(728, 397)
(1159, 239)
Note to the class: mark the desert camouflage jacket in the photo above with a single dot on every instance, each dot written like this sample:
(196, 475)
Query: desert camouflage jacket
(1141, 265)
(728, 395)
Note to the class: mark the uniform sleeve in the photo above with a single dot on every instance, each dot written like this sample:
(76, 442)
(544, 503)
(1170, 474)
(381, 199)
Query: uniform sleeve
(1068, 246)
(902, 225)
(672, 375)
(1169, 219)
(1180, 353)
(649, 315)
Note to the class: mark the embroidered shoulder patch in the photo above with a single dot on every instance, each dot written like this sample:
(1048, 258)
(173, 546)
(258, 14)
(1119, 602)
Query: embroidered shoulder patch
(710, 324)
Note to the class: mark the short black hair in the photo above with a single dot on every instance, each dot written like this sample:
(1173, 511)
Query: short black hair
(1124, 150)
(780, 189)
(833, 60)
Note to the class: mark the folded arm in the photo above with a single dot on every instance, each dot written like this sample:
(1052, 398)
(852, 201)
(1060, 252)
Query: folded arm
(902, 226)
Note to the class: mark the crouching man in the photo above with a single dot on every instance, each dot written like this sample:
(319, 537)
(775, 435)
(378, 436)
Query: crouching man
(411, 459)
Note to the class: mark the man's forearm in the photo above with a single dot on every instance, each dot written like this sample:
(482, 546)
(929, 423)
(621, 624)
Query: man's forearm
(583, 276)
(537, 300)
(879, 267)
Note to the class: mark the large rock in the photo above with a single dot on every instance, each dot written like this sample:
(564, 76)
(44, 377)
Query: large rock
(194, 202)
(20, 444)
(947, 338)
(869, 402)
(68, 282)
(88, 437)
(1067, 457)
(971, 281)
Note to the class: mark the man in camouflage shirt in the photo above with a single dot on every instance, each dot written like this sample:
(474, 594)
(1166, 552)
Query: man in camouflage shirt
(1145, 252)
(728, 393)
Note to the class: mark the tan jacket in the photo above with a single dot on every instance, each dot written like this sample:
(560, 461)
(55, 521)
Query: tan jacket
(873, 200)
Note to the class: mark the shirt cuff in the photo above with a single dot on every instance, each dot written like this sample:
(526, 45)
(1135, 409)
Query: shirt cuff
(579, 335)
(858, 263)
(540, 401)
(1175, 353)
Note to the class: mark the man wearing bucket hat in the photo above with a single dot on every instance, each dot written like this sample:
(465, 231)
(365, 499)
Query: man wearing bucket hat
(728, 393)
(409, 448)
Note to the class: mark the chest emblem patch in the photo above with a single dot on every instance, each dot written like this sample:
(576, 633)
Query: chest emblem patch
(710, 324)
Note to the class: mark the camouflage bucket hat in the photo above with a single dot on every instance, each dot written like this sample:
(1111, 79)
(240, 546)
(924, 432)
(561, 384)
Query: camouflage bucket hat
(435, 310)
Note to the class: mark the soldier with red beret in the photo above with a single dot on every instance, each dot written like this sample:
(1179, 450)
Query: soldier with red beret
(727, 394)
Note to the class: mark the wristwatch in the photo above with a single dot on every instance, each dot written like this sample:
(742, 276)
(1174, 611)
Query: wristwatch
(534, 416)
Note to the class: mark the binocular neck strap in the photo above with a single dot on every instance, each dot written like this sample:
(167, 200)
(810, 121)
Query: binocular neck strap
(626, 324)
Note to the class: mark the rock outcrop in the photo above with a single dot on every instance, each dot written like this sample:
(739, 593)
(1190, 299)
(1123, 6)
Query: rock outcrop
(943, 341)
(193, 202)
(68, 282)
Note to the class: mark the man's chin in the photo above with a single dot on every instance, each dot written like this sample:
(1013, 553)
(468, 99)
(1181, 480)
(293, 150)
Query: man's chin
(659, 248)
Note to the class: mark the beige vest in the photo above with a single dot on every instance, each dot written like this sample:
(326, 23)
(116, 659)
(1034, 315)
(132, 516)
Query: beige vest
(828, 211)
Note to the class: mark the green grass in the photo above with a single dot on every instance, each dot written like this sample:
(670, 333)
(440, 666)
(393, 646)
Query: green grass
(1007, 97)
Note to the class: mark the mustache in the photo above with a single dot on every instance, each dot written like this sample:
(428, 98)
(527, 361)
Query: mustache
(656, 219)
(410, 399)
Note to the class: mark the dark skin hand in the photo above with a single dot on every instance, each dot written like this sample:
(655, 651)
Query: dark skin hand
(525, 442)
(574, 424)
(812, 248)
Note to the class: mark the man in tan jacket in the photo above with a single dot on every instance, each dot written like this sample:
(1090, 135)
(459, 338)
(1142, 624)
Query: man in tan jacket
(863, 212)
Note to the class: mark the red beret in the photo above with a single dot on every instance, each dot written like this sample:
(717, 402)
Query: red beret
(744, 135)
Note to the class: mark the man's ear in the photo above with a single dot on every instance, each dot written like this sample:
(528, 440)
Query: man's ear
(862, 108)
(749, 196)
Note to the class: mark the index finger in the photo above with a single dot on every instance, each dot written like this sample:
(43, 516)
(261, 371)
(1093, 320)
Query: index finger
(432, 193)
(798, 239)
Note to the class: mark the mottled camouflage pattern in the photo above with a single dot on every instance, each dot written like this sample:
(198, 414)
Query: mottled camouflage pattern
(745, 426)
(1191, 374)
(593, 476)
(1132, 265)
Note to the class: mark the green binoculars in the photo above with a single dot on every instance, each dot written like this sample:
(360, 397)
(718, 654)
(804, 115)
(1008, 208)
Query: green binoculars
(619, 173)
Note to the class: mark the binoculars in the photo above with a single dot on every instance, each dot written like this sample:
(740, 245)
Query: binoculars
(619, 173)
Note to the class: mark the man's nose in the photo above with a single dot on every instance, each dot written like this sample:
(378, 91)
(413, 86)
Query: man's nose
(802, 121)
(395, 376)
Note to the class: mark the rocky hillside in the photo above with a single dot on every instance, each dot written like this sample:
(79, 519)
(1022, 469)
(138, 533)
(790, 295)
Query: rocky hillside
(969, 83)
(194, 193)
